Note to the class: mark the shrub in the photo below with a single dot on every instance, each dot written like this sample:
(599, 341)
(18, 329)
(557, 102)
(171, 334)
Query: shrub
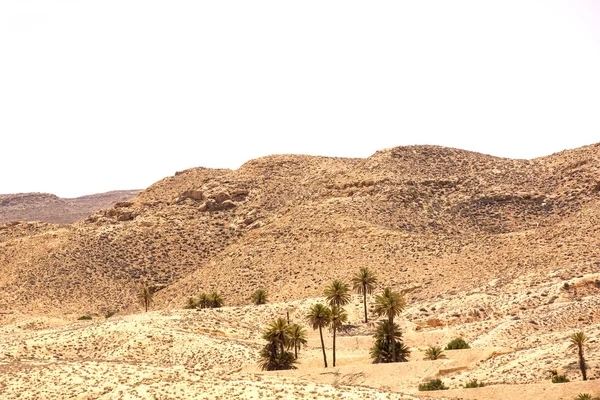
(458, 343)
(109, 314)
(434, 353)
(84, 318)
(192, 303)
(585, 396)
(434, 384)
(474, 384)
(259, 297)
(560, 379)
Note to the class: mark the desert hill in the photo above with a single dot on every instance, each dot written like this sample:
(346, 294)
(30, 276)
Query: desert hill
(503, 253)
(53, 209)
(438, 219)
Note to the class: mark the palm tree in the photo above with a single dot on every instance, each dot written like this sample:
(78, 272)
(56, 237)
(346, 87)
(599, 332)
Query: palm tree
(145, 297)
(279, 361)
(215, 300)
(192, 303)
(278, 332)
(274, 355)
(390, 304)
(204, 300)
(388, 341)
(578, 341)
(337, 293)
(364, 282)
(337, 318)
(259, 297)
(434, 353)
(318, 317)
(298, 337)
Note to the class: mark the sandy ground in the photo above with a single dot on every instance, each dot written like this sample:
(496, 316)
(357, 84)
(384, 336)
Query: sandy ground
(212, 354)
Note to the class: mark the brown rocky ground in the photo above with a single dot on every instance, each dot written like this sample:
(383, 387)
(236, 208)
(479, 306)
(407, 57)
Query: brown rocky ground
(53, 209)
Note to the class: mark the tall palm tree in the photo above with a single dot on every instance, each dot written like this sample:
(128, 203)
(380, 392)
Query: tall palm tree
(337, 293)
(364, 282)
(390, 304)
(337, 318)
(298, 338)
(578, 341)
(259, 297)
(318, 318)
(145, 297)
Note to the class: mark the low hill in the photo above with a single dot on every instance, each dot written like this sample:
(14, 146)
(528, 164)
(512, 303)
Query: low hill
(51, 208)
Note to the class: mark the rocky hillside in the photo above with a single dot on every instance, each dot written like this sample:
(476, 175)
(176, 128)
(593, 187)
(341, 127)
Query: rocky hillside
(51, 208)
(440, 220)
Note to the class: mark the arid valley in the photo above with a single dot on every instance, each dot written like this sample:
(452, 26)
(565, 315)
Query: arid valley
(502, 253)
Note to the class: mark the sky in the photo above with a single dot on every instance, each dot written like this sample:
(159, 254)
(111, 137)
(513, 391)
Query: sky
(106, 95)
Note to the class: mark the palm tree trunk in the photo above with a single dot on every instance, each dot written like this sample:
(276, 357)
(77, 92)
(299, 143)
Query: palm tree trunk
(393, 339)
(323, 346)
(582, 366)
(365, 302)
(334, 346)
(295, 350)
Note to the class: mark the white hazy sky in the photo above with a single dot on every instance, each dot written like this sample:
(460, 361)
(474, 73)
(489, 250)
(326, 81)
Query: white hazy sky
(102, 95)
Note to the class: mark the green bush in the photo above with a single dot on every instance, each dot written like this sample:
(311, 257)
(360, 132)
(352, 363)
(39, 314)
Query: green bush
(586, 396)
(109, 314)
(458, 343)
(434, 384)
(474, 384)
(84, 318)
(560, 379)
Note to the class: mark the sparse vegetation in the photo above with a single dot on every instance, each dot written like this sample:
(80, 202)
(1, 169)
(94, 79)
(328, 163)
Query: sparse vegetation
(457, 344)
(474, 384)
(259, 297)
(364, 283)
(390, 304)
(318, 318)
(434, 384)
(84, 318)
(434, 353)
(109, 314)
(145, 297)
(579, 341)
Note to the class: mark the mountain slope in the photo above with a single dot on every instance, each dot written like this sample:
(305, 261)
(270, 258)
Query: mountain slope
(441, 220)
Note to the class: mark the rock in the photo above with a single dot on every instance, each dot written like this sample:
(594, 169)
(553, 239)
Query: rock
(193, 194)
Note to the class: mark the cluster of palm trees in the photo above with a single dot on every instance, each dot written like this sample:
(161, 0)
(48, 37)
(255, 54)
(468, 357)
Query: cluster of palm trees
(281, 337)
(206, 300)
(388, 345)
